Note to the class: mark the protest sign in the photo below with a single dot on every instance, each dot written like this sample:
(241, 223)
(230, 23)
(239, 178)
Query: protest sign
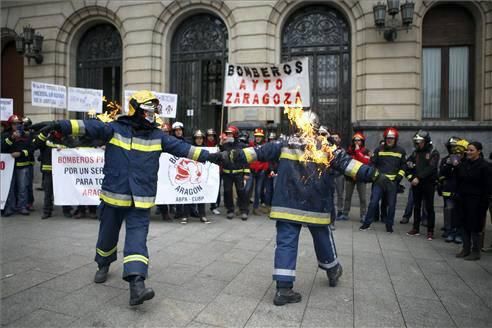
(48, 95)
(7, 163)
(6, 108)
(77, 176)
(168, 101)
(267, 85)
(184, 181)
(85, 100)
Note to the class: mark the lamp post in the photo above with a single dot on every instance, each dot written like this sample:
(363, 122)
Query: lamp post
(392, 7)
(30, 44)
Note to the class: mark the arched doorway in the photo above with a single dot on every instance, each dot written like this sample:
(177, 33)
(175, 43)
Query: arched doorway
(198, 56)
(99, 54)
(13, 77)
(323, 34)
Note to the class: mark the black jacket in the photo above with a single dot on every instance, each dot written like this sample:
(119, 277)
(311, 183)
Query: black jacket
(423, 164)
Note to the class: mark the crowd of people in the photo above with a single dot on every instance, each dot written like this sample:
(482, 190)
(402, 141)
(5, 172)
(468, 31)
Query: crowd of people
(269, 172)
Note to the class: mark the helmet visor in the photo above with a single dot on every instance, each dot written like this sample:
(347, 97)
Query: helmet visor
(151, 106)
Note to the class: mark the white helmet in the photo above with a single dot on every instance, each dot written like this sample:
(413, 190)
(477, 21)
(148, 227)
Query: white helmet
(177, 125)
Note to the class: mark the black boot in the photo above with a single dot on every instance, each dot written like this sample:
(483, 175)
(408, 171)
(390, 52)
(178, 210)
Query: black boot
(286, 295)
(334, 274)
(138, 292)
(101, 274)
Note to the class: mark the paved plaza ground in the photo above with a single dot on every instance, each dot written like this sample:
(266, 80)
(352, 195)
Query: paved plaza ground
(219, 275)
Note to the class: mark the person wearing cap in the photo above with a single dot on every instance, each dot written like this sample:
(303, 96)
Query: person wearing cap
(359, 152)
(133, 145)
(18, 143)
(258, 172)
(390, 160)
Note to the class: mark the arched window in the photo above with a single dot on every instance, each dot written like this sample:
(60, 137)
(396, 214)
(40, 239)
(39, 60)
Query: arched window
(99, 61)
(322, 34)
(448, 46)
(198, 57)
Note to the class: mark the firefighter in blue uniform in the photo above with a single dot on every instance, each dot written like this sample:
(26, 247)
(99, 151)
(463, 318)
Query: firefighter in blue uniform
(133, 146)
(302, 197)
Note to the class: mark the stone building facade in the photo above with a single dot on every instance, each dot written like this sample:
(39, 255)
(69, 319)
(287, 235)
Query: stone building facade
(437, 75)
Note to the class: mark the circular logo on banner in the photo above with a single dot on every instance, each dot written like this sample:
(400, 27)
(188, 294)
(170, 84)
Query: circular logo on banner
(187, 171)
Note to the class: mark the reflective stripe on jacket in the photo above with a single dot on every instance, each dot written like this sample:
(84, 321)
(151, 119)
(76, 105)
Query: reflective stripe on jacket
(131, 158)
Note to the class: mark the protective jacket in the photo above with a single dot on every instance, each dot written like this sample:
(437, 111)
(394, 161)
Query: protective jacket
(303, 190)
(46, 144)
(131, 158)
(234, 168)
(390, 161)
(22, 144)
(446, 184)
(425, 162)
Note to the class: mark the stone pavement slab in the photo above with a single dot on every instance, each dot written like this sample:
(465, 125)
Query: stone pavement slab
(219, 275)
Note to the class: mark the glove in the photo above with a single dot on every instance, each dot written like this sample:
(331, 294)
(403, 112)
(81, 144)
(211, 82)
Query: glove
(217, 158)
(381, 180)
(46, 127)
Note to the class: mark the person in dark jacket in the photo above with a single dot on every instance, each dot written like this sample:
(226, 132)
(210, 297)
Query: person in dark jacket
(302, 197)
(422, 174)
(133, 145)
(474, 190)
(258, 172)
(235, 174)
(389, 159)
(211, 141)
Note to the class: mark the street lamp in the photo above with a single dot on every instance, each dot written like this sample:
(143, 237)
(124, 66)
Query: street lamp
(30, 44)
(392, 7)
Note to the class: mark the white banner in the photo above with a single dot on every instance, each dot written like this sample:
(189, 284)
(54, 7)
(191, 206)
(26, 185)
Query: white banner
(7, 163)
(78, 175)
(85, 100)
(168, 101)
(184, 181)
(48, 95)
(6, 108)
(268, 85)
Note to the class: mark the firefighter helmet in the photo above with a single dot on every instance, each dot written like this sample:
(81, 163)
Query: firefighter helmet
(13, 119)
(323, 130)
(451, 144)
(177, 125)
(243, 136)
(312, 118)
(27, 122)
(211, 132)
(259, 132)
(461, 146)
(143, 100)
(358, 135)
(391, 133)
(421, 136)
(232, 129)
(272, 136)
(198, 134)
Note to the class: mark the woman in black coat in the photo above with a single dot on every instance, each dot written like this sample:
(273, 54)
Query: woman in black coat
(474, 190)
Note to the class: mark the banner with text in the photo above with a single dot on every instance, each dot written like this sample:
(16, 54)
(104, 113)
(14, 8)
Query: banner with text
(184, 181)
(85, 100)
(7, 163)
(78, 175)
(268, 85)
(6, 108)
(168, 101)
(48, 95)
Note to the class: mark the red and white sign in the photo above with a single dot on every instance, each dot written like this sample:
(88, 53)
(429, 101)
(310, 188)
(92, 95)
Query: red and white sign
(7, 163)
(268, 85)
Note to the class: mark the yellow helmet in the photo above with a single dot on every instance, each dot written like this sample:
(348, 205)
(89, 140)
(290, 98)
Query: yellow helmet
(138, 98)
(461, 146)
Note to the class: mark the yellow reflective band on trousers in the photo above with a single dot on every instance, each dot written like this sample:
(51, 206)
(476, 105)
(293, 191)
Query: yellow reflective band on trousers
(446, 193)
(46, 168)
(250, 154)
(389, 153)
(116, 199)
(136, 258)
(78, 127)
(22, 164)
(120, 141)
(300, 216)
(352, 168)
(143, 202)
(108, 253)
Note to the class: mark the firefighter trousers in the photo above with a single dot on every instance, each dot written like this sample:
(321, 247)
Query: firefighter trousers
(287, 246)
(136, 257)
